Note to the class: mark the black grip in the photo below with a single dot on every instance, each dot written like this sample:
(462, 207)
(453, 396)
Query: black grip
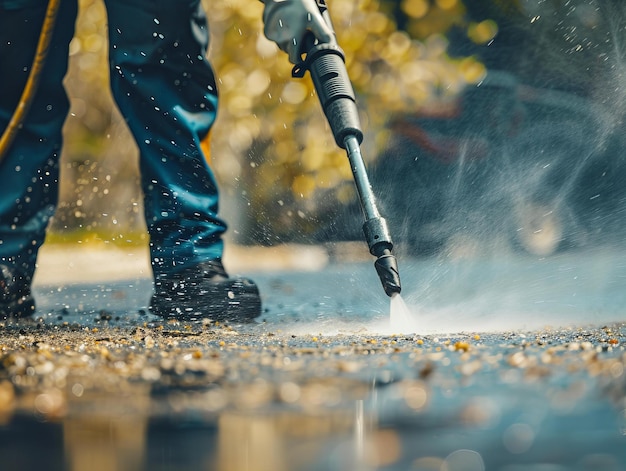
(336, 95)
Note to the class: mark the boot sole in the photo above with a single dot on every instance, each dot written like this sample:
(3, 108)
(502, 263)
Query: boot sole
(230, 300)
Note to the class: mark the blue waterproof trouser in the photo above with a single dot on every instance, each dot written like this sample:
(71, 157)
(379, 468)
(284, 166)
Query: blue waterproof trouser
(165, 89)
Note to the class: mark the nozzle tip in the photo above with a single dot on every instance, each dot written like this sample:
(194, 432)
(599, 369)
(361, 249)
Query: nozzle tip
(387, 269)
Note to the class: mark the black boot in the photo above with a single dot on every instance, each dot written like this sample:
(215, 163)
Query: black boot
(16, 299)
(205, 291)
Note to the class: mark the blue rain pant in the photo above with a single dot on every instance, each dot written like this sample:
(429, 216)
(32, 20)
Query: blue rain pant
(165, 89)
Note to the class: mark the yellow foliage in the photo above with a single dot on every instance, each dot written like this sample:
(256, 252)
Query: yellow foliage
(483, 32)
(473, 71)
(303, 185)
(271, 137)
(415, 8)
(447, 4)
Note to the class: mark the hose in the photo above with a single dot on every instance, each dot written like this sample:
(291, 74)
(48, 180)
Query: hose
(32, 83)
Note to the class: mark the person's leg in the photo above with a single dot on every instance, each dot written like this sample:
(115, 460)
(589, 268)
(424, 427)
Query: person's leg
(29, 171)
(166, 90)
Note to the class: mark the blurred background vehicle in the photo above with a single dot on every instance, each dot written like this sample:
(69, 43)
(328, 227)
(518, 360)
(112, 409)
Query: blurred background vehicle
(532, 168)
(528, 158)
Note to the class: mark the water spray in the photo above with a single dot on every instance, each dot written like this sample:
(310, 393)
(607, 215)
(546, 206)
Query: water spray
(326, 64)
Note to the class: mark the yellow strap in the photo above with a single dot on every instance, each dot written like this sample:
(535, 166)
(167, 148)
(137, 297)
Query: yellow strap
(205, 147)
(33, 79)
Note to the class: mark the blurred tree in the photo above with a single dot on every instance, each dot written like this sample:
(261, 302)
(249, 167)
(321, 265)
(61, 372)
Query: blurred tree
(279, 152)
(100, 195)
(272, 149)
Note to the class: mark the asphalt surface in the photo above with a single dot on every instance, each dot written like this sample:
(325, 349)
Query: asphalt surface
(517, 363)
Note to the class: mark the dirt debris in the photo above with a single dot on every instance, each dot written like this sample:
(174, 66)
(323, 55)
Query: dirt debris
(48, 365)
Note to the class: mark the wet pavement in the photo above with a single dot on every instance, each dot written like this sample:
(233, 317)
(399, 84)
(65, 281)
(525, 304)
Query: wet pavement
(517, 364)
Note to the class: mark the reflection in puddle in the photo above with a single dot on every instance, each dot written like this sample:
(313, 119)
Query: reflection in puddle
(102, 433)
(393, 426)
(101, 443)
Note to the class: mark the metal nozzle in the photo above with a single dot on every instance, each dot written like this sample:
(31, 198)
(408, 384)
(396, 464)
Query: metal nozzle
(380, 245)
(387, 269)
(326, 65)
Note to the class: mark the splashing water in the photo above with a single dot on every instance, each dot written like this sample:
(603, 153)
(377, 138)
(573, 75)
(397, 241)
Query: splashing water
(402, 320)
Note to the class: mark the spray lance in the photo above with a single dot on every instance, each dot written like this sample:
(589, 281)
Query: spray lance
(325, 63)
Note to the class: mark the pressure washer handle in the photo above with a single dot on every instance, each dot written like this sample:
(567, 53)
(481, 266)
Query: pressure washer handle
(326, 63)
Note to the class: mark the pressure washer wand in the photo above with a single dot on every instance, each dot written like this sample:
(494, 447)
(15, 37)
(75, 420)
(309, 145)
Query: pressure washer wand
(325, 62)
